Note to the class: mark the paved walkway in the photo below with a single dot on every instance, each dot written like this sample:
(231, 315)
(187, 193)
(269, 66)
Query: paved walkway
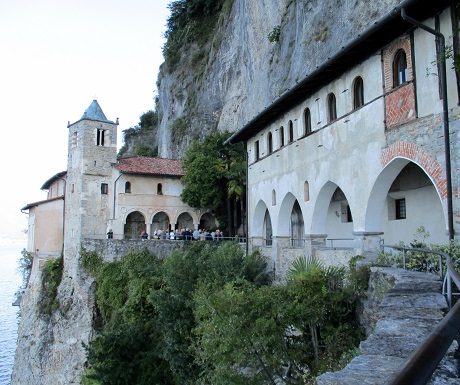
(404, 316)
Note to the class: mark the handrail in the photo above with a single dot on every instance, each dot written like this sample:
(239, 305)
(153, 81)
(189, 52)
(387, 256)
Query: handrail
(338, 239)
(451, 273)
(420, 366)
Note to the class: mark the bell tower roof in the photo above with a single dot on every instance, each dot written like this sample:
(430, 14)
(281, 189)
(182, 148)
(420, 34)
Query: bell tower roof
(94, 112)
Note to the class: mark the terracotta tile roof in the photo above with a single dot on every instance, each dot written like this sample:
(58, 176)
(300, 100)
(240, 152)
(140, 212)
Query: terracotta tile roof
(34, 204)
(150, 166)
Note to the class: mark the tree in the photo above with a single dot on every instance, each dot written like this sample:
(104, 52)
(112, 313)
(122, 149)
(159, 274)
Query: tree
(215, 177)
(257, 335)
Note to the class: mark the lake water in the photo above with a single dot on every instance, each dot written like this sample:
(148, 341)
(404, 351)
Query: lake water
(10, 281)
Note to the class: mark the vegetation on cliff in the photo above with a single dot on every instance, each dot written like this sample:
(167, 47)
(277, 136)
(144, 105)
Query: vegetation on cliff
(191, 22)
(139, 140)
(208, 315)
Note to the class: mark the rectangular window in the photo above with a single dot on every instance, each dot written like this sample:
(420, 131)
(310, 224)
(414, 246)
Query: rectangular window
(256, 149)
(104, 188)
(400, 208)
(75, 139)
(100, 137)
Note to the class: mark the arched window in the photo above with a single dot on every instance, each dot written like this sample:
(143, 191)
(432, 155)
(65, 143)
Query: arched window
(291, 132)
(127, 187)
(331, 108)
(270, 142)
(306, 121)
(281, 136)
(400, 71)
(306, 191)
(159, 189)
(358, 92)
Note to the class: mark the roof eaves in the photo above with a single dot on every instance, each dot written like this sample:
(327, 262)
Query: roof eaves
(38, 203)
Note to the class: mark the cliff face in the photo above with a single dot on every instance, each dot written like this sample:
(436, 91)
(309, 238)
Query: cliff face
(241, 74)
(51, 342)
(244, 71)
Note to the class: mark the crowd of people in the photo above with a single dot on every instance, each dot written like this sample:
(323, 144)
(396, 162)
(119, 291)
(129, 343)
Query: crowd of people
(180, 235)
(187, 235)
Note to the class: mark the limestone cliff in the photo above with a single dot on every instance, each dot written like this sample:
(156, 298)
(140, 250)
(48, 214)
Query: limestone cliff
(243, 71)
(51, 342)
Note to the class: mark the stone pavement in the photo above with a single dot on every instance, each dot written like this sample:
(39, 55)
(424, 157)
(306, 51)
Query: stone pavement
(402, 309)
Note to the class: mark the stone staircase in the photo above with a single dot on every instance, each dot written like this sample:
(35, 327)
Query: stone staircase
(402, 309)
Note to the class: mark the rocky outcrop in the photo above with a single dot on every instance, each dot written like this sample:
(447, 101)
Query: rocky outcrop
(244, 72)
(402, 309)
(51, 342)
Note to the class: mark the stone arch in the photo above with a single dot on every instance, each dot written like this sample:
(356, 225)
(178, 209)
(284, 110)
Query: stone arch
(134, 224)
(332, 215)
(186, 220)
(284, 217)
(257, 229)
(161, 221)
(130, 211)
(207, 221)
(394, 159)
(318, 222)
(267, 229)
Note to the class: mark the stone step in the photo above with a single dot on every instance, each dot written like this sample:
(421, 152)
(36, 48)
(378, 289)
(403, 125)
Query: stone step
(409, 310)
(363, 370)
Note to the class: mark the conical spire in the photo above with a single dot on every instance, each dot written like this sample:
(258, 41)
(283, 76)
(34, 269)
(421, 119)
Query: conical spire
(94, 112)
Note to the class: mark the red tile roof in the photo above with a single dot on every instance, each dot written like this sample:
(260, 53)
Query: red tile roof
(150, 166)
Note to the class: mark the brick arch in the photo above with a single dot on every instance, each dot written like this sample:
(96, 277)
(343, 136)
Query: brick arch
(422, 158)
(389, 55)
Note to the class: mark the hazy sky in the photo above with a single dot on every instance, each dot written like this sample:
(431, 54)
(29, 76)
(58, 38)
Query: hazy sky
(56, 56)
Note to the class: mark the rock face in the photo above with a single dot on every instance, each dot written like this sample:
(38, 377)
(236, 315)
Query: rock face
(51, 343)
(245, 72)
(402, 309)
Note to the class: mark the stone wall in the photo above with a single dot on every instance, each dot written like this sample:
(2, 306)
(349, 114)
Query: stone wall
(112, 250)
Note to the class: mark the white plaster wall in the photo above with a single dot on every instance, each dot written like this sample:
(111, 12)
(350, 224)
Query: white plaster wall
(428, 99)
(347, 154)
(336, 152)
(423, 207)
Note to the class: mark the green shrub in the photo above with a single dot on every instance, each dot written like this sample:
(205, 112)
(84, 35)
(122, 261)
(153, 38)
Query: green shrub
(148, 119)
(178, 129)
(275, 34)
(51, 278)
(142, 149)
(25, 266)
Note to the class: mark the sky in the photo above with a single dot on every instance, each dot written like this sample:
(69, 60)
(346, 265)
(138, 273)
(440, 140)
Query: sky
(56, 56)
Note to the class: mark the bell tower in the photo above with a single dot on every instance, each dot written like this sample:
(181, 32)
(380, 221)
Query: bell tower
(92, 149)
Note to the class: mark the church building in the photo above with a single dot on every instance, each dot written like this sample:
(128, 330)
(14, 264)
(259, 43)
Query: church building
(100, 194)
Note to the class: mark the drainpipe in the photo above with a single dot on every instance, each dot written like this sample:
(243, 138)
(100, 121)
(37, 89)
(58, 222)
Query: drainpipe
(63, 215)
(442, 42)
(246, 219)
(115, 195)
